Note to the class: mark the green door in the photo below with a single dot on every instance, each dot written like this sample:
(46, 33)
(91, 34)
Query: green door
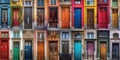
(16, 51)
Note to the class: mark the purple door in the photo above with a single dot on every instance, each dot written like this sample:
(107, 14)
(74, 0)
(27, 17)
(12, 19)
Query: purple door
(90, 50)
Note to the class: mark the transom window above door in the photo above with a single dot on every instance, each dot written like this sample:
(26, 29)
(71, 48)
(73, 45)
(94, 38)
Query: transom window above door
(65, 35)
(77, 36)
(28, 2)
(40, 36)
(52, 2)
(90, 35)
(102, 1)
(16, 34)
(40, 2)
(90, 2)
(77, 1)
(4, 34)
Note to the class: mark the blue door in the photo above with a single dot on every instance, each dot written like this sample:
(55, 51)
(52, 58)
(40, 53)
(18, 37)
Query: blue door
(28, 50)
(77, 18)
(77, 50)
(115, 51)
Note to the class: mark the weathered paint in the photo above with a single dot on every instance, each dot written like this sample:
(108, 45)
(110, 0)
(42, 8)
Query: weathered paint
(77, 50)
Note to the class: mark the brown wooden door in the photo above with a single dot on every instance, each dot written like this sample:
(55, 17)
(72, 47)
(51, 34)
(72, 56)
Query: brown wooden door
(40, 51)
(103, 51)
(53, 50)
(90, 18)
(4, 50)
(114, 18)
(65, 17)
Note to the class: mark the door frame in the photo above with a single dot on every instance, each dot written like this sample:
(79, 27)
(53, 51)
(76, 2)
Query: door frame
(16, 40)
(114, 41)
(106, 41)
(31, 46)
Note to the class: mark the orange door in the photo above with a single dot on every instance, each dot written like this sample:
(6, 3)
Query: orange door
(103, 51)
(40, 51)
(65, 17)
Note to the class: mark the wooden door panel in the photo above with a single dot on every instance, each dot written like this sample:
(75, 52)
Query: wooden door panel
(16, 51)
(15, 17)
(4, 50)
(40, 51)
(90, 18)
(103, 51)
(90, 50)
(115, 51)
(65, 17)
(114, 18)
(53, 50)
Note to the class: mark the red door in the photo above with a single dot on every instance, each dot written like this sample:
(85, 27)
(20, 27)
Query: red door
(15, 17)
(103, 21)
(4, 55)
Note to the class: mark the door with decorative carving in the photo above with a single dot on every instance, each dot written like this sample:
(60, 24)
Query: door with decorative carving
(103, 51)
(53, 50)
(4, 50)
(90, 18)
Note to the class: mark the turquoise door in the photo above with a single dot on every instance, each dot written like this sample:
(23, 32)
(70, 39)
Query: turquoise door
(77, 50)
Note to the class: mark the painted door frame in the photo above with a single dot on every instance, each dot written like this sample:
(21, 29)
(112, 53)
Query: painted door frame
(114, 41)
(31, 46)
(16, 40)
(99, 47)
(42, 42)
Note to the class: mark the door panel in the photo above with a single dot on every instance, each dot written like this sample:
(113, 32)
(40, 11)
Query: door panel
(53, 50)
(28, 18)
(5, 50)
(90, 18)
(77, 18)
(65, 17)
(103, 51)
(114, 18)
(16, 51)
(40, 51)
(77, 50)
(103, 22)
(90, 50)
(115, 51)
(28, 50)
(15, 17)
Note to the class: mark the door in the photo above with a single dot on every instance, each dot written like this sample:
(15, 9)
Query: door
(115, 51)
(27, 18)
(15, 17)
(53, 50)
(77, 50)
(77, 18)
(103, 23)
(90, 18)
(16, 51)
(114, 18)
(5, 50)
(90, 50)
(103, 51)
(65, 17)
(28, 50)
(40, 51)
